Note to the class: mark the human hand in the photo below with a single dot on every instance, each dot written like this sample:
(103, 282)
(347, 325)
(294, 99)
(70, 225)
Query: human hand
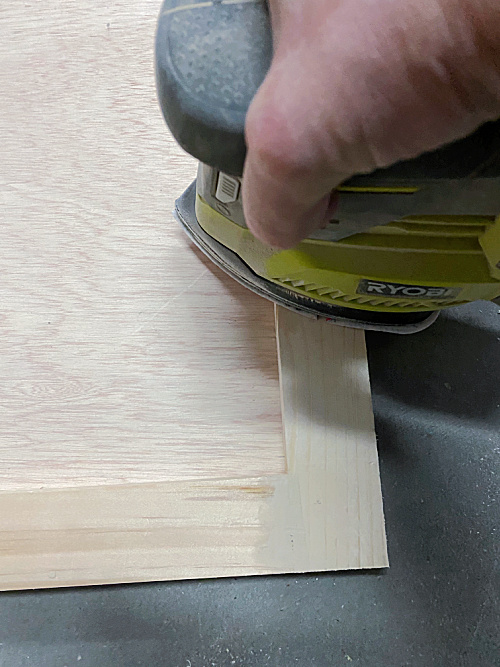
(356, 85)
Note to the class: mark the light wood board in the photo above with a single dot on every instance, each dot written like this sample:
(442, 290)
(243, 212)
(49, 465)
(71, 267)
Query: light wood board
(325, 513)
(126, 356)
(140, 420)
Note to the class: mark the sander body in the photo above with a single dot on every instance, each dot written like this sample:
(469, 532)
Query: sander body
(406, 241)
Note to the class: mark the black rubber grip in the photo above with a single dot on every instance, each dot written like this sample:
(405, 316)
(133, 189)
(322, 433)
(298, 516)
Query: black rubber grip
(211, 57)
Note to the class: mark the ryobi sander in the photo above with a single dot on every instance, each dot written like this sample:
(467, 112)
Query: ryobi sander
(407, 241)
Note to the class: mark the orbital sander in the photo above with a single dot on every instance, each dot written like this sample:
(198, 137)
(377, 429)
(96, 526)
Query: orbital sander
(406, 242)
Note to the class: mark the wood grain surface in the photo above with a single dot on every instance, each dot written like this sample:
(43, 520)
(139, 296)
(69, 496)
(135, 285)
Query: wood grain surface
(140, 417)
(330, 441)
(125, 356)
(324, 514)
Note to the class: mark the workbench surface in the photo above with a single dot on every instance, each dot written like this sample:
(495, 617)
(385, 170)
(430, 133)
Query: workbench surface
(436, 399)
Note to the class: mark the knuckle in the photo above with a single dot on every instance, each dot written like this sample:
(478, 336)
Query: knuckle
(279, 150)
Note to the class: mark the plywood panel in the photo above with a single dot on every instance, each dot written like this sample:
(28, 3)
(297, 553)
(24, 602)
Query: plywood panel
(324, 514)
(140, 417)
(125, 356)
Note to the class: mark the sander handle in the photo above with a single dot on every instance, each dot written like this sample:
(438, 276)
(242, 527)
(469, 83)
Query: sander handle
(210, 59)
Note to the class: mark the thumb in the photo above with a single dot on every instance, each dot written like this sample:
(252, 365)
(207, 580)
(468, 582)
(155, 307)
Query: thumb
(288, 180)
(286, 195)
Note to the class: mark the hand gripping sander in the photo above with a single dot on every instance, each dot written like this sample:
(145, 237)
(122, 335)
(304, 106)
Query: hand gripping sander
(406, 242)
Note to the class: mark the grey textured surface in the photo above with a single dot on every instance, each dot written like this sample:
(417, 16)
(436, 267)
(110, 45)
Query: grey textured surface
(210, 60)
(436, 397)
(220, 54)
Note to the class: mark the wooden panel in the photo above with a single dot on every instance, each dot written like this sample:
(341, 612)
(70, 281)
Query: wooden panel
(325, 513)
(125, 355)
(139, 386)
(331, 443)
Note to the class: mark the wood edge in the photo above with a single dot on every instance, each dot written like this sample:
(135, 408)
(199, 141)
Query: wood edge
(249, 525)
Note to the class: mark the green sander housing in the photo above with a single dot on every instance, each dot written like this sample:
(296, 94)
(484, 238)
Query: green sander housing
(407, 241)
